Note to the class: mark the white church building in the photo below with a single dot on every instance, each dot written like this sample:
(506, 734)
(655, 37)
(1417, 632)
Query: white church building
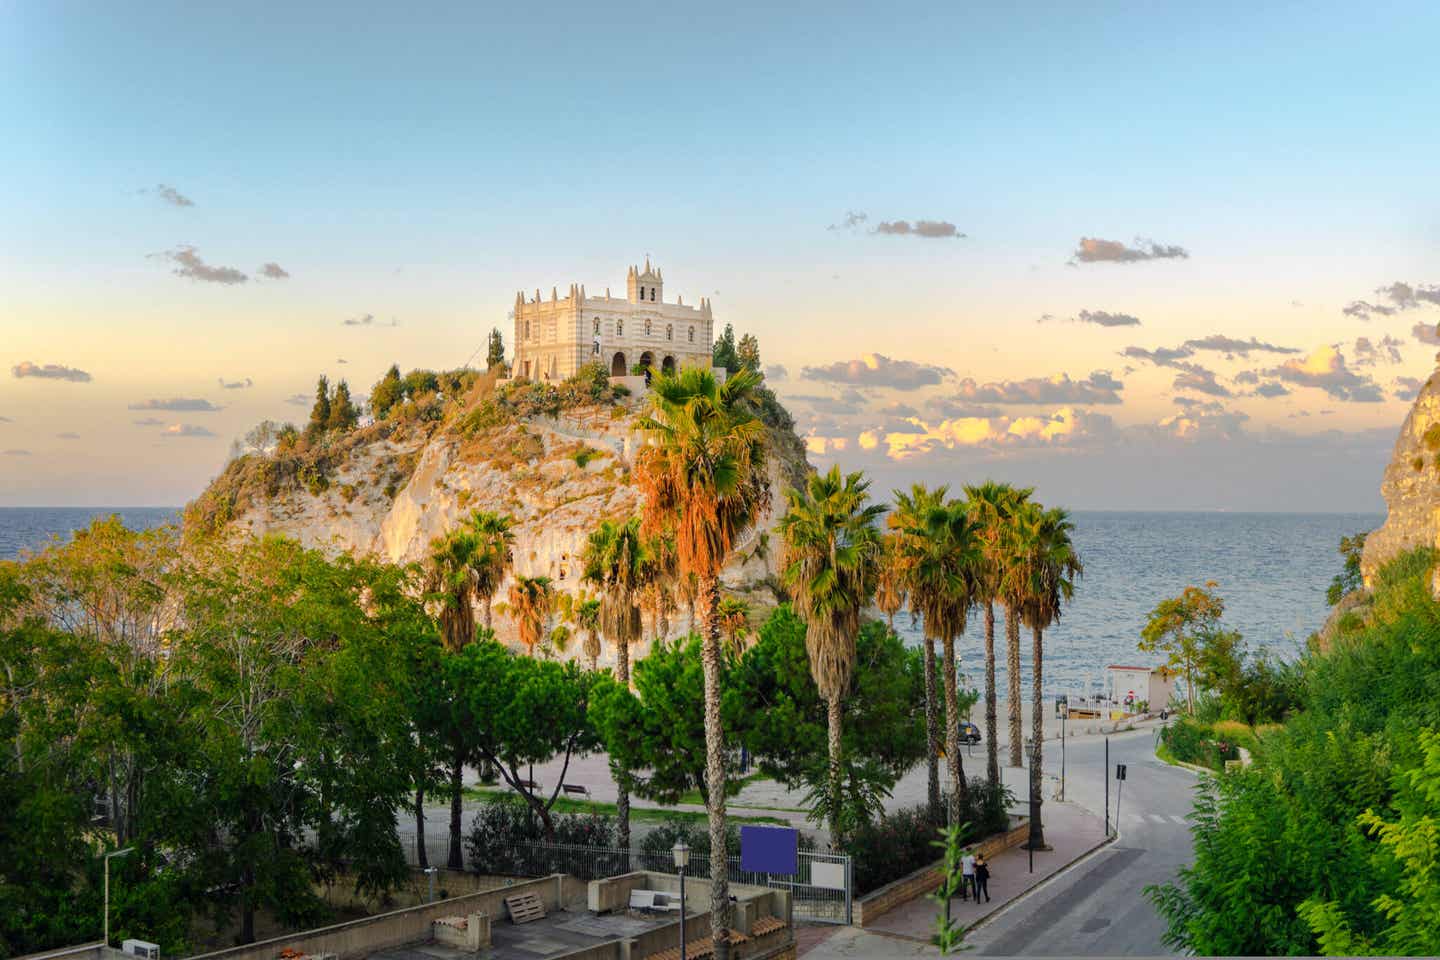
(555, 337)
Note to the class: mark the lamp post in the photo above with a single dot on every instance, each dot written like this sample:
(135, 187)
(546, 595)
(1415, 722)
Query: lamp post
(108, 858)
(681, 852)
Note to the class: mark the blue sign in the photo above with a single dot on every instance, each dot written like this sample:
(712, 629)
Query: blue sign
(770, 850)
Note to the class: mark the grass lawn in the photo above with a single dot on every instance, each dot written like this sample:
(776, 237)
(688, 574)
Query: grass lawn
(567, 805)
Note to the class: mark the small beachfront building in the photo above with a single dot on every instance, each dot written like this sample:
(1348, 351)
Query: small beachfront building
(555, 337)
(1133, 685)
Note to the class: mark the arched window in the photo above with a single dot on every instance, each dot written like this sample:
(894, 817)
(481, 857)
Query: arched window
(669, 331)
(692, 334)
(597, 326)
(527, 329)
(619, 328)
(652, 293)
(647, 328)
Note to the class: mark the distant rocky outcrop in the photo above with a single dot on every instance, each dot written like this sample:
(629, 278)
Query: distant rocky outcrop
(1411, 486)
(558, 462)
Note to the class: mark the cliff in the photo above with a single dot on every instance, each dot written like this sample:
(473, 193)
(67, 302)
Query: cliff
(557, 459)
(1411, 487)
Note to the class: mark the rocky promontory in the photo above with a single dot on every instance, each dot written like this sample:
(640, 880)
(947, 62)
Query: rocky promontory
(1411, 487)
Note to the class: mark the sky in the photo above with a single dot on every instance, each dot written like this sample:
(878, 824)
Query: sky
(1138, 256)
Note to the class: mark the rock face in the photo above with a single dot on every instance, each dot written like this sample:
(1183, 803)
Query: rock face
(1411, 486)
(558, 477)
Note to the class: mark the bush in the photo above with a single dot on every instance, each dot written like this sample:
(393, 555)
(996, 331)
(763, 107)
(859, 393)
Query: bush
(902, 842)
(508, 839)
(1191, 741)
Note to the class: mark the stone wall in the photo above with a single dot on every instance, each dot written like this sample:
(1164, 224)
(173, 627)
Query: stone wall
(1411, 486)
(873, 906)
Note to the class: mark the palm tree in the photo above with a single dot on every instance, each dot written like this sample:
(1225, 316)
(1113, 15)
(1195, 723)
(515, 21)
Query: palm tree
(1048, 566)
(616, 562)
(832, 554)
(704, 481)
(993, 507)
(908, 522)
(495, 539)
(531, 599)
(890, 593)
(450, 580)
(735, 622)
(587, 618)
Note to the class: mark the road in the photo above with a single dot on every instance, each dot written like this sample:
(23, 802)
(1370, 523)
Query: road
(1098, 908)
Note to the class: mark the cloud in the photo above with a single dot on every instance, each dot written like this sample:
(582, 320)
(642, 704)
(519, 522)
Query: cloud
(1426, 333)
(851, 221)
(928, 229)
(849, 401)
(878, 370)
(186, 430)
(1095, 250)
(50, 371)
(1208, 422)
(1099, 387)
(177, 405)
(341, 360)
(298, 400)
(1408, 388)
(172, 196)
(1064, 426)
(1326, 370)
(190, 265)
(1101, 318)
(17, 453)
(6, 420)
(273, 271)
(149, 422)
(1232, 347)
(367, 320)
(67, 435)
(245, 384)
(1385, 350)
(1200, 380)
(1271, 389)
(1160, 356)
(776, 371)
(1401, 296)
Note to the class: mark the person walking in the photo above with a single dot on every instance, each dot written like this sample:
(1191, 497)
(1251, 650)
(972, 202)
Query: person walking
(982, 878)
(967, 875)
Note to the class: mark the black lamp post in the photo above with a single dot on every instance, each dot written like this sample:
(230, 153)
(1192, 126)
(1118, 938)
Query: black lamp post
(681, 852)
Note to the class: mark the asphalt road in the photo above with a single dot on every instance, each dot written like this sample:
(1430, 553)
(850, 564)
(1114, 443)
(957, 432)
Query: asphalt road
(1098, 908)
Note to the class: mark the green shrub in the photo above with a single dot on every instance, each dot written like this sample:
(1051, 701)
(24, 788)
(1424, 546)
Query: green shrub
(508, 839)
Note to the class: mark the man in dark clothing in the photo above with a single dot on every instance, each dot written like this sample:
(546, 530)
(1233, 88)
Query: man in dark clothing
(982, 879)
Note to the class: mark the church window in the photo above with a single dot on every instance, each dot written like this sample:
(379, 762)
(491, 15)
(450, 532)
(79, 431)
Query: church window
(647, 328)
(619, 328)
(692, 334)
(597, 326)
(652, 294)
(669, 331)
(527, 329)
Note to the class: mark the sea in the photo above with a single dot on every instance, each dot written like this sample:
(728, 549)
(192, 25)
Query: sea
(1271, 569)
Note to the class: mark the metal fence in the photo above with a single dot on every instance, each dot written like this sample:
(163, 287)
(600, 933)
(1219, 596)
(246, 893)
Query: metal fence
(820, 891)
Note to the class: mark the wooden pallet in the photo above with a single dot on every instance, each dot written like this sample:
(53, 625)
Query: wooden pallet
(525, 907)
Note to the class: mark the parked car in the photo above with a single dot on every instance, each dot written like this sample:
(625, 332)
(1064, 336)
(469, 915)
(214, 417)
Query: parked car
(969, 733)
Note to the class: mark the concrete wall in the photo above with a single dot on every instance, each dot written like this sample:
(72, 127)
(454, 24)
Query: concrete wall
(873, 906)
(359, 938)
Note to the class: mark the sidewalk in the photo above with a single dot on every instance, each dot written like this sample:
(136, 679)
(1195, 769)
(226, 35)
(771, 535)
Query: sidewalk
(1070, 830)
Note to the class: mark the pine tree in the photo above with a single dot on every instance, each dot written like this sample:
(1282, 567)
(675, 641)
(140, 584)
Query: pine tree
(495, 355)
(724, 354)
(320, 413)
(343, 414)
(388, 392)
(749, 352)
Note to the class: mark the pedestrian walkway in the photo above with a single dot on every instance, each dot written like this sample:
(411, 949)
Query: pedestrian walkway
(1071, 832)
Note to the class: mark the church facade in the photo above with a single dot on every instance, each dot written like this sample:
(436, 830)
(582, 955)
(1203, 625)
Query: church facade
(555, 337)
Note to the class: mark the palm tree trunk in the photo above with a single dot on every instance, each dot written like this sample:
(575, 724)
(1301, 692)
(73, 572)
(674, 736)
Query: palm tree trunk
(837, 841)
(456, 860)
(1012, 683)
(622, 777)
(488, 624)
(960, 790)
(992, 722)
(715, 770)
(932, 735)
(422, 859)
(1037, 751)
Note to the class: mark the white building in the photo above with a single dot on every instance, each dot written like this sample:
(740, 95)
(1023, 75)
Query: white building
(1133, 685)
(555, 337)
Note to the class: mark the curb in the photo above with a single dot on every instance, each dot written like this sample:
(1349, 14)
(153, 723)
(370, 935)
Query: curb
(1084, 857)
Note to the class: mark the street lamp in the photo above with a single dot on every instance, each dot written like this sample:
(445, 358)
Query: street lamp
(681, 852)
(108, 858)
